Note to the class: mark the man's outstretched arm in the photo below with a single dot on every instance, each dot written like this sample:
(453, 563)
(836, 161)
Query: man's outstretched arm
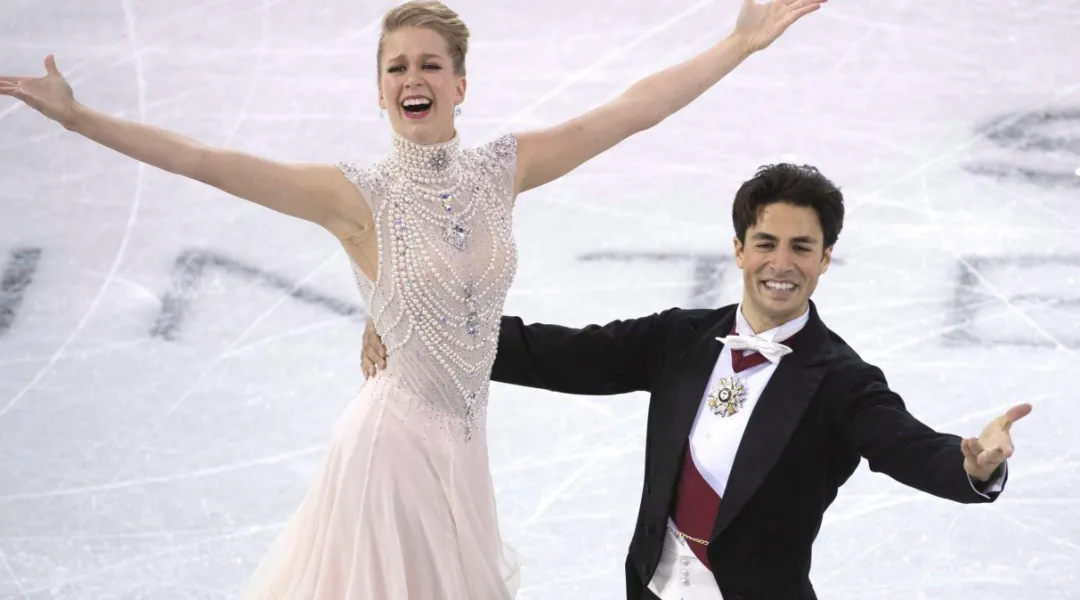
(616, 358)
(619, 357)
(874, 419)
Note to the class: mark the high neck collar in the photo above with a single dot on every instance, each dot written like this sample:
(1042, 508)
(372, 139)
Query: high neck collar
(403, 145)
(431, 164)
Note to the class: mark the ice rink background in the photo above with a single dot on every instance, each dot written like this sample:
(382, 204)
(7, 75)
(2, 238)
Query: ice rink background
(172, 359)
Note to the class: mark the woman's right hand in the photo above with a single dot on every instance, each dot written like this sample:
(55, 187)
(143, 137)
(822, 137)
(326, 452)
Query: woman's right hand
(50, 95)
(318, 192)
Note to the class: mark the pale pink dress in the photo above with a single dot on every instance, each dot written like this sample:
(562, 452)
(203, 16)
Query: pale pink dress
(403, 507)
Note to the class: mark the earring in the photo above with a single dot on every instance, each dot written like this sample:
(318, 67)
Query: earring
(382, 114)
(457, 111)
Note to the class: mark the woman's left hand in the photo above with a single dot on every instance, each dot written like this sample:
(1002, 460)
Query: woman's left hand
(759, 24)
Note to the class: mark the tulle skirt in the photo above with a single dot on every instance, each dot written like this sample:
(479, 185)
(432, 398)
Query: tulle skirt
(399, 510)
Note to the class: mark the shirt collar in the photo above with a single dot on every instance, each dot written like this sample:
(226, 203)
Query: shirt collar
(778, 333)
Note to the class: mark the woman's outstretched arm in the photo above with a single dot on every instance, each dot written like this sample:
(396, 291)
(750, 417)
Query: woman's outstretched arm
(547, 154)
(314, 192)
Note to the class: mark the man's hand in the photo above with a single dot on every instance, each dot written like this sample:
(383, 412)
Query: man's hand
(985, 454)
(374, 353)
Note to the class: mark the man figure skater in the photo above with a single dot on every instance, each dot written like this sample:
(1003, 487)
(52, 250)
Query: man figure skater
(758, 412)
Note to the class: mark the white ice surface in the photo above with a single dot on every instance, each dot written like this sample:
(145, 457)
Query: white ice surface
(143, 466)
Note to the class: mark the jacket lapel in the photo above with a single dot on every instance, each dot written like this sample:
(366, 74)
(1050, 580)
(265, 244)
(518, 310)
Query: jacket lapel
(775, 416)
(696, 365)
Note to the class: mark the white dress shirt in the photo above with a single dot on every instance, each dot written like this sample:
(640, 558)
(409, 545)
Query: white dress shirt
(714, 441)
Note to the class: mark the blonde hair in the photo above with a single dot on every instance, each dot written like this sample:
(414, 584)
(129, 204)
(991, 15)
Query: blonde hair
(433, 15)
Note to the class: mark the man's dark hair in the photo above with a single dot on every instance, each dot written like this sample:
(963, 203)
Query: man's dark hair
(799, 185)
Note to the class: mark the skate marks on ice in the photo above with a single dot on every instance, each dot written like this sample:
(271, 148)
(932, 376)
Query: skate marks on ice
(1046, 288)
(189, 269)
(709, 270)
(1041, 148)
(16, 276)
(192, 266)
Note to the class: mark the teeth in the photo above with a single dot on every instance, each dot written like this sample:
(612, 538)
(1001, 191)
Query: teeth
(416, 102)
(776, 285)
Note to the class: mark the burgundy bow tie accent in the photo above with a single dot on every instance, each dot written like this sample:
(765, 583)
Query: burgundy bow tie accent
(741, 356)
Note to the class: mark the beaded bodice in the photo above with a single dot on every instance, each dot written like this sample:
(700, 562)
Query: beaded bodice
(446, 259)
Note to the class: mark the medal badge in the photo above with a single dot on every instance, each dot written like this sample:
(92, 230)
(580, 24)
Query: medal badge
(727, 396)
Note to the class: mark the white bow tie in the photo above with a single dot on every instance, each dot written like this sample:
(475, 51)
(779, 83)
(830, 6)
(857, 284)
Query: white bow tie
(770, 350)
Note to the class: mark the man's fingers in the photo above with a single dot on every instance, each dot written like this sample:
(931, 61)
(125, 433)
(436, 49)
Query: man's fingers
(1016, 413)
(976, 445)
(373, 343)
(371, 360)
(1003, 449)
(377, 355)
(971, 449)
(992, 457)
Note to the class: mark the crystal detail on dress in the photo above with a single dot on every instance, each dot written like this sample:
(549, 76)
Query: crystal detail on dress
(457, 235)
(446, 260)
(472, 320)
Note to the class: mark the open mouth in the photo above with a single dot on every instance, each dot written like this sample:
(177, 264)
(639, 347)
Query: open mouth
(416, 107)
(779, 288)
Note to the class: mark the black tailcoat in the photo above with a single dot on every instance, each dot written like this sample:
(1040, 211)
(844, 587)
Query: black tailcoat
(822, 410)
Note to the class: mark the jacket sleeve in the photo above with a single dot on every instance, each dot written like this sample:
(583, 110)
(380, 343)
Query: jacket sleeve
(619, 357)
(873, 418)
